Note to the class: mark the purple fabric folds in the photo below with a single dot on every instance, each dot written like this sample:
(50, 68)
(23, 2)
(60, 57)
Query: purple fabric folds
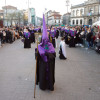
(45, 46)
(53, 33)
(72, 33)
(27, 34)
(67, 31)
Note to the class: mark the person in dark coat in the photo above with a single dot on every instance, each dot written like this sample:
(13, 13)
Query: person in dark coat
(32, 31)
(45, 62)
(88, 38)
(27, 41)
(72, 38)
(53, 36)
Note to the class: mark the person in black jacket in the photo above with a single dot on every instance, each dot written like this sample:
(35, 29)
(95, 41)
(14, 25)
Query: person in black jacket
(1, 37)
(88, 37)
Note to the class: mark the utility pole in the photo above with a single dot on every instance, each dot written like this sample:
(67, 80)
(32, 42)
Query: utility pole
(28, 12)
(67, 4)
(6, 14)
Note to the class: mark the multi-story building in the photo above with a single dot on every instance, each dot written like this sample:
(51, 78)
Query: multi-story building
(91, 11)
(25, 17)
(12, 16)
(77, 13)
(38, 21)
(66, 19)
(8, 11)
(53, 18)
(86, 13)
(1, 18)
(31, 16)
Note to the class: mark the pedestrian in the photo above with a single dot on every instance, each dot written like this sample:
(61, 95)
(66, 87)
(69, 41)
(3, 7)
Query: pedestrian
(4, 36)
(62, 50)
(72, 37)
(45, 62)
(53, 36)
(1, 38)
(32, 31)
(27, 41)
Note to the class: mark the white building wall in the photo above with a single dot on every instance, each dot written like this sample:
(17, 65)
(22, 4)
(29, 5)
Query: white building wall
(77, 17)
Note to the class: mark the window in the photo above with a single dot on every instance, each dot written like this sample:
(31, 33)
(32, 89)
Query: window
(77, 12)
(73, 12)
(91, 10)
(77, 22)
(73, 22)
(81, 22)
(81, 12)
(59, 21)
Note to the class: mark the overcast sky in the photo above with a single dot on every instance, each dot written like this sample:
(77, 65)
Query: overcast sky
(40, 5)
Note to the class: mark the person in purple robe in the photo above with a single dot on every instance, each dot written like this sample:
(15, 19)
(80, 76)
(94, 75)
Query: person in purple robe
(45, 62)
(53, 36)
(32, 31)
(27, 41)
(72, 37)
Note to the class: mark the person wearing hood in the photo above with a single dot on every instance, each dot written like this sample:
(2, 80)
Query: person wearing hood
(45, 62)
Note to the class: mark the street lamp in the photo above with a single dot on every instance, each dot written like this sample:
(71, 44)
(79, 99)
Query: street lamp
(6, 13)
(67, 4)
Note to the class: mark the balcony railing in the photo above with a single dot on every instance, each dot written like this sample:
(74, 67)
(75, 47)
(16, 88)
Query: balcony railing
(87, 14)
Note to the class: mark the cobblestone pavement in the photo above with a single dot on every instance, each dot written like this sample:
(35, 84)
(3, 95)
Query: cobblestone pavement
(77, 78)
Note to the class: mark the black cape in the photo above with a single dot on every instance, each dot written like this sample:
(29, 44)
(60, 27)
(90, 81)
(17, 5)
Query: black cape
(61, 56)
(27, 42)
(46, 72)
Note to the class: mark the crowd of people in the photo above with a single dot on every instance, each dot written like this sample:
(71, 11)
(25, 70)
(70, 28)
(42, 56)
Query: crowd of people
(83, 36)
(73, 36)
(9, 35)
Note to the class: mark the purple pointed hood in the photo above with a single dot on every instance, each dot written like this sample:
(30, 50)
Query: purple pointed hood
(45, 46)
(44, 34)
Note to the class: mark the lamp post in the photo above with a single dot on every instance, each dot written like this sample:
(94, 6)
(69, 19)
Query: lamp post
(67, 4)
(99, 10)
(6, 13)
(28, 3)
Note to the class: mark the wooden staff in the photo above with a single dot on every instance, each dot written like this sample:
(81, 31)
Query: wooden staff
(36, 70)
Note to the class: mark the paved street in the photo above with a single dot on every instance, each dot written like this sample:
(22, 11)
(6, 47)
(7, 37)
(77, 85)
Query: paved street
(77, 78)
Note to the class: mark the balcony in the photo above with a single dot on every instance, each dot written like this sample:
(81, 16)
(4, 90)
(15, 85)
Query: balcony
(91, 14)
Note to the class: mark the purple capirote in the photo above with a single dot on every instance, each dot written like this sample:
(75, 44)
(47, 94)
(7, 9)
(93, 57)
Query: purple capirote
(45, 46)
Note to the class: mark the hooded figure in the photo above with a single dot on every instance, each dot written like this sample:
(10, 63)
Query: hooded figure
(45, 62)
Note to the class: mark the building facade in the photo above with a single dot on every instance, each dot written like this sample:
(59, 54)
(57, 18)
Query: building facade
(77, 13)
(31, 16)
(66, 19)
(86, 13)
(38, 21)
(91, 11)
(53, 18)
(1, 18)
(12, 16)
